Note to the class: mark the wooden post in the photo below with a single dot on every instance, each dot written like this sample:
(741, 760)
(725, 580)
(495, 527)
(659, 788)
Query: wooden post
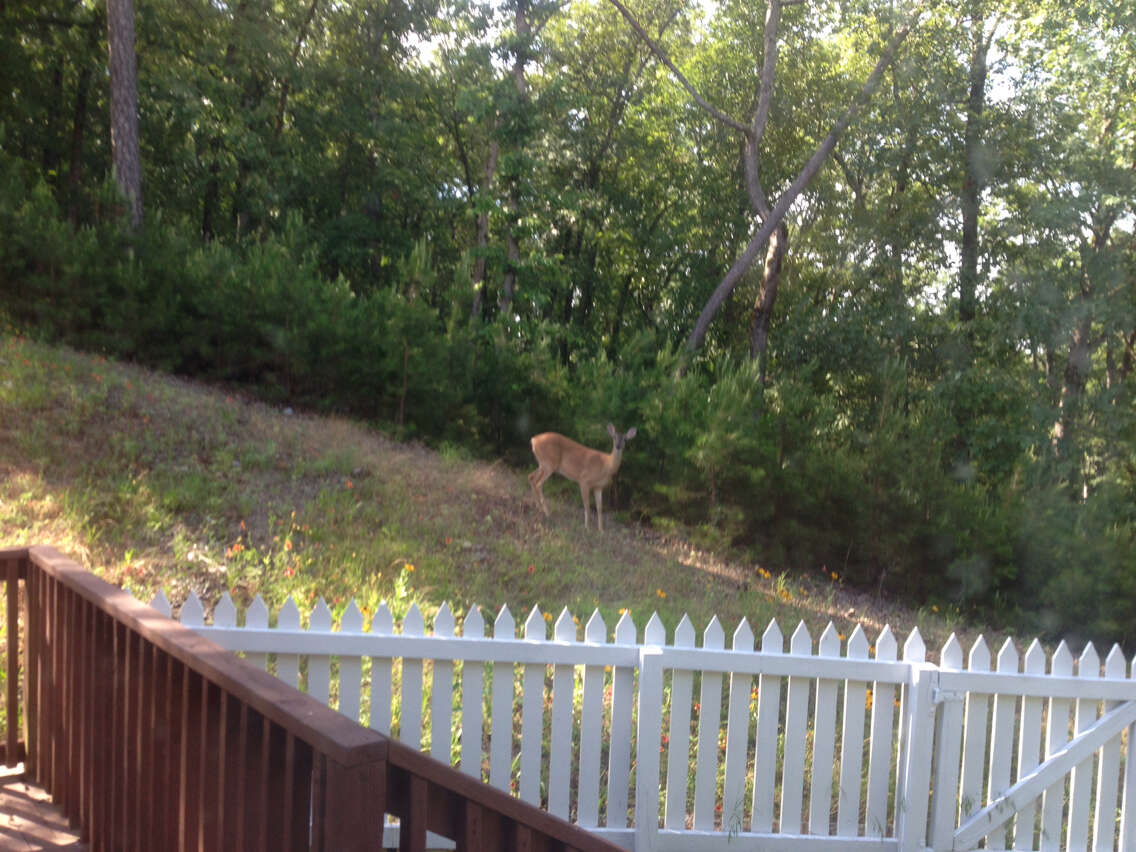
(353, 805)
(12, 708)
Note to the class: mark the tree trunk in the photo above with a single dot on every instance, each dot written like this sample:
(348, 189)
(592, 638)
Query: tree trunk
(896, 240)
(753, 132)
(587, 284)
(212, 197)
(286, 89)
(1082, 345)
(617, 320)
(1075, 379)
(78, 133)
(771, 222)
(243, 221)
(767, 298)
(512, 246)
(1127, 359)
(479, 268)
(566, 321)
(974, 171)
(512, 261)
(51, 153)
(124, 105)
(212, 192)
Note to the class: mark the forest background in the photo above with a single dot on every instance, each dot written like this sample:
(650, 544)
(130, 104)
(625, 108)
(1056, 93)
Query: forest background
(470, 222)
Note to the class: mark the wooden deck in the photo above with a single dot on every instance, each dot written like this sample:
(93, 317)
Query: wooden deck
(151, 737)
(28, 819)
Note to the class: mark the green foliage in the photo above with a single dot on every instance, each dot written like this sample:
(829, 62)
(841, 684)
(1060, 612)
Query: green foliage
(854, 469)
(1079, 564)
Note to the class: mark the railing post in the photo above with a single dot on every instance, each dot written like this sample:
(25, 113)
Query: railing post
(32, 668)
(350, 804)
(915, 774)
(12, 707)
(648, 739)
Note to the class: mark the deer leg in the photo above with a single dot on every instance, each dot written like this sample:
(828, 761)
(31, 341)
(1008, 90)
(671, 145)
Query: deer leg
(599, 507)
(537, 479)
(586, 497)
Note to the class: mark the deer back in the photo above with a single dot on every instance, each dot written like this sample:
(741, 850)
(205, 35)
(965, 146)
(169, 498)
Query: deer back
(571, 459)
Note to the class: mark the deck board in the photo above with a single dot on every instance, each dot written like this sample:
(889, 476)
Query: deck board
(28, 819)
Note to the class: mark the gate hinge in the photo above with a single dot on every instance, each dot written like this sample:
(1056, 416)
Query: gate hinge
(941, 696)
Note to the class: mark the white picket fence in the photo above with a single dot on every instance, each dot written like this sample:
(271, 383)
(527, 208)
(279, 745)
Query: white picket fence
(682, 745)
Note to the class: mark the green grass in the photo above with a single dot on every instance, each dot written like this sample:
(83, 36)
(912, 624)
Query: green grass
(156, 482)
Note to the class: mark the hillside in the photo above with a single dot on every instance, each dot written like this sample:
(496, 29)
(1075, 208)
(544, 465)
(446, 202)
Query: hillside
(153, 481)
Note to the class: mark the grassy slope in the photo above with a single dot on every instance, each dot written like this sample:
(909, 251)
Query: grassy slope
(154, 482)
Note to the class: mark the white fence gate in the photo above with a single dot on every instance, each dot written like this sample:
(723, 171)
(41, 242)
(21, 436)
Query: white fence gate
(681, 745)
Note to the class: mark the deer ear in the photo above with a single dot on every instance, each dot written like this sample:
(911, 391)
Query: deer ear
(611, 430)
(631, 433)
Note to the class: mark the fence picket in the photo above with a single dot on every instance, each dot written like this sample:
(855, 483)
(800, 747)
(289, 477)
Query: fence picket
(591, 716)
(319, 665)
(1080, 784)
(824, 739)
(161, 603)
(256, 618)
(1029, 748)
(192, 612)
(948, 751)
(1057, 734)
(350, 667)
(737, 736)
(918, 714)
(1128, 800)
(532, 713)
(560, 735)
(880, 746)
(225, 613)
(852, 742)
(1002, 732)
(768, 720)
(501, 712)
(709, 719)
(914, 651)
(648, 737)
(1108, 769)
(288, 665)
(382, 682)
(619, 754)
(678, 740)
(442, 691)
(473, 685)
(796, 728)
(649, 734)
(974, 738)
(410, 707)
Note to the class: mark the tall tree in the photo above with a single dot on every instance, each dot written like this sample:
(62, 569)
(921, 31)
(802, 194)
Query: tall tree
(1073, 257)
(614, 185)
(124, 105)
(976, 167)
(752, 133)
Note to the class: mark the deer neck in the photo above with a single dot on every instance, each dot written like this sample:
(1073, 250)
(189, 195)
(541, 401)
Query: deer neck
(615, 459)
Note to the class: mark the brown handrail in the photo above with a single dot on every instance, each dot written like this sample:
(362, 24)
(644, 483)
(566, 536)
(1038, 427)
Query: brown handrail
(149, 736)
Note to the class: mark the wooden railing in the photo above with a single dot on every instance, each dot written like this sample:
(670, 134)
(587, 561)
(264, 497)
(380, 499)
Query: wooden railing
(149, 736)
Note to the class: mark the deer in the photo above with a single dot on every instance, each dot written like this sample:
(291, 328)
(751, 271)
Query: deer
(591, 469)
